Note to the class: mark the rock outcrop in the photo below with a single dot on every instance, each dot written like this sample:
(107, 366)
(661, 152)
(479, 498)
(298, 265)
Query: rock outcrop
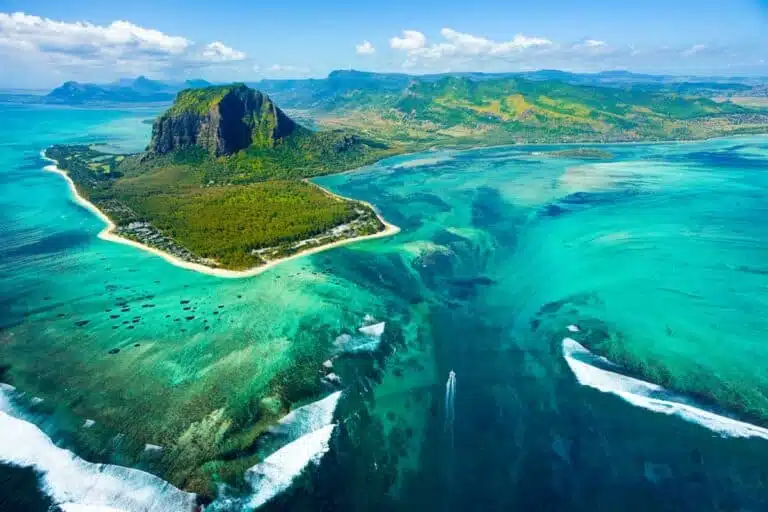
(222, 120)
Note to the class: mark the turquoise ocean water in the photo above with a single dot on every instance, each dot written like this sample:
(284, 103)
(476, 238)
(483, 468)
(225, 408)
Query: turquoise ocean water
(656, 260)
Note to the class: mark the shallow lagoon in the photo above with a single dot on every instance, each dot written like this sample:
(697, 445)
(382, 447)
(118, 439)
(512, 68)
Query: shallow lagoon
(659, 257)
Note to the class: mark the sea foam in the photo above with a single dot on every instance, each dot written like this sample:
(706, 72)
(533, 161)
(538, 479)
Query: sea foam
(81, 485)
(369, 341)
(74, 507)
(308, 418)
(277, 472)
(308, 430)
(375, 330)
(600, 373)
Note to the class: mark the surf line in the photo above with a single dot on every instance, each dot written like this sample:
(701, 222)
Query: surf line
(599, 373)
(73, 483)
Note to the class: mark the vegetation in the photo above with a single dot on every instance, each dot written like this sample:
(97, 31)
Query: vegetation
(198, 100)
(472, 109)
(303, 155)
(227, 223)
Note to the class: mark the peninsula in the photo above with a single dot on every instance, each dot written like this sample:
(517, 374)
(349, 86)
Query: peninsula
(222, 187)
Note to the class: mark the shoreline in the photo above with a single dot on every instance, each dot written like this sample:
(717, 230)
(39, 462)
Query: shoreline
(109, 235)
(389, 229)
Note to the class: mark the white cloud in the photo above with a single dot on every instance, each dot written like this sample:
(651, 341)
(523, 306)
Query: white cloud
(219, 52)
(365, 48)
(83, 37)
(287, 70)
(460, 51)
(460, 45)
(593, 48)
(693, 50)
(411, 40)
(280, 68)
(84, 49)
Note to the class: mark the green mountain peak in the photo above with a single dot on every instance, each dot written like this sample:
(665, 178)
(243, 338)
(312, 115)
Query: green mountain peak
(221, 119)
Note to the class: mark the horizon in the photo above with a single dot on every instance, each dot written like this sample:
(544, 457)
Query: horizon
(683, 77)
(86, 41)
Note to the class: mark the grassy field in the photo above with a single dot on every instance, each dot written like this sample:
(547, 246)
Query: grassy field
(747, 101)
(460, 111)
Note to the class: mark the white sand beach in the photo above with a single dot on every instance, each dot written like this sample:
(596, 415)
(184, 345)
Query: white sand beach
(108, 233)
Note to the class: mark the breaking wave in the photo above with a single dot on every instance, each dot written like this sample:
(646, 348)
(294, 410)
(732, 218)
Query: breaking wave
(73, 507)
(308, 430)
(78, 485)
(600, 373)
(370, 341)
(308, 418)
(277, 472)
(375, 330)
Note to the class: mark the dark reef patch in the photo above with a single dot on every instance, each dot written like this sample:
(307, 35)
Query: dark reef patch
(50, 244)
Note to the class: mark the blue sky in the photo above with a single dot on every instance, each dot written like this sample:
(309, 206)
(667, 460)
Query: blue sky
(43, 42)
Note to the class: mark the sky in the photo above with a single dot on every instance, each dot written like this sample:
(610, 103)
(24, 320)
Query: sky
(46, 42)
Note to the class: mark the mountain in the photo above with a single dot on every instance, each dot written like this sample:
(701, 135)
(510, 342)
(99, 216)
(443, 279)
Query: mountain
(124, 90)
(341, 87)
(471, 109)
(222, 120)
(197, 83)
(238, 135)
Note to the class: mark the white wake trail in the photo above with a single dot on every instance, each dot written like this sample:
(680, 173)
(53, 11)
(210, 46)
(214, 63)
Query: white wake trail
(450, 399)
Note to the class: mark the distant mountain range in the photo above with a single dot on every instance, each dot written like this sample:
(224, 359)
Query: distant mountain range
(328, 92)
(341, 85)
(461, 109)
(137, 90)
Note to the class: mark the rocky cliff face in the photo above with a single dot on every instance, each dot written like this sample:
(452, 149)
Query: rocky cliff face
(222, 120)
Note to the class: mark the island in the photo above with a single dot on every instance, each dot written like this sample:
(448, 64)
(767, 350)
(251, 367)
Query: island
(222, 187)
